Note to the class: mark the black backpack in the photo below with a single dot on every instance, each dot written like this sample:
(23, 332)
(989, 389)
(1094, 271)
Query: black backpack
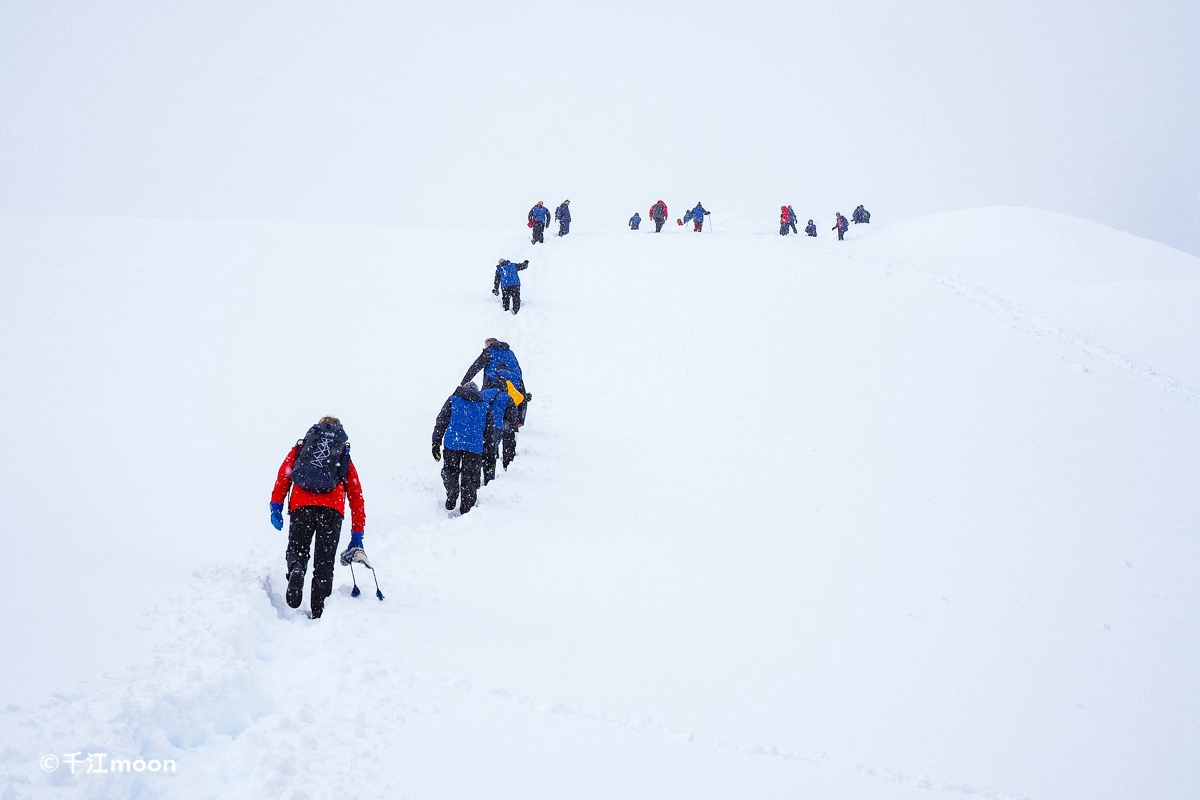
(322, 458)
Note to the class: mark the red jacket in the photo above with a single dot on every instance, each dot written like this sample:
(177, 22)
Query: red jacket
(664, 208)
(335, 499)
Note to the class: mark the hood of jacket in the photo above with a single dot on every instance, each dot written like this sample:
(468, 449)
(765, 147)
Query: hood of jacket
(467, 393)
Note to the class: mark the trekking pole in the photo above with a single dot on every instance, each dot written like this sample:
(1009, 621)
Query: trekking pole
(378, 593)
(355, 592)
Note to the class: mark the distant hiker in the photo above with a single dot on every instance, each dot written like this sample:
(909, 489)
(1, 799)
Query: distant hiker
(636, 220)
(563, 215)
(792, 219)
(508, 282)
(811, 230)
(498, 356)
(697, 215)
(861, 215)
(784, 228)
(658, 213)
(539, 215)
(465, 426)
(840, 225)
(320, 475)
(503, 403)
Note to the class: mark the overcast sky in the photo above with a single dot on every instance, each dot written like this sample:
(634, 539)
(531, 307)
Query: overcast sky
(462, 115)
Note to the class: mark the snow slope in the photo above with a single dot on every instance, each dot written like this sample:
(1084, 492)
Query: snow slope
(906, 516)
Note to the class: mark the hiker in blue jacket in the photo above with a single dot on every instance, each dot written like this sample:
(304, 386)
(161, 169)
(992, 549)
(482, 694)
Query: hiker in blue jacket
(635, 221)
(508, 282)
(811, 230)
(861, 215)
(539, 215)
(504, 420)
(465, 427)
(697, 217)
(792, 218)
(840, 225)
(497, 356)
(563, 215)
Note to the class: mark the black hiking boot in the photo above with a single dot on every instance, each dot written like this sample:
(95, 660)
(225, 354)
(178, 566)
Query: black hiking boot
(318, 606)
(295, 590)
(451, 502)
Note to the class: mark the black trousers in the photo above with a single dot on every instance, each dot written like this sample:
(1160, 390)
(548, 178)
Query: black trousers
(511, 294)
(509, 446)
(460, 474)
(539, 228)
(658, 223)
(325, 525)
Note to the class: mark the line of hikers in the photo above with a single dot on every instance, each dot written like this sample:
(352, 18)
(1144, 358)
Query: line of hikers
(478, 427)
(539, 218)
(475, 428)
(658, 214)
(787, 222)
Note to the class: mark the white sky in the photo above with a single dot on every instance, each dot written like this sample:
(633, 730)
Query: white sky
(440, 115)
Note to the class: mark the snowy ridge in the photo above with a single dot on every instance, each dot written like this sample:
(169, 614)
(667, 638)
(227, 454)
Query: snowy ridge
(789, 517)
(1039, 328)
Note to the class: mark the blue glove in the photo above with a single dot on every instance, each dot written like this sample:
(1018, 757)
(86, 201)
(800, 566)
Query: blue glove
(277, 515)
(356, 539)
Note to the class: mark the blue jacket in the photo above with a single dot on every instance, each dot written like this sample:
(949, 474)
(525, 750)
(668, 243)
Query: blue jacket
(499, 402)
(698, 213)
(465, 422)
(811, 230)
(636, 219)
(539, 214)
(563, 212)
(494, 358)
(507, 273)
(791, 216)
(502, 359)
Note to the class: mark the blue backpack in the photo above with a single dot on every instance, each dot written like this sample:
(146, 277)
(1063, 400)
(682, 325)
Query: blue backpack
(322, 458)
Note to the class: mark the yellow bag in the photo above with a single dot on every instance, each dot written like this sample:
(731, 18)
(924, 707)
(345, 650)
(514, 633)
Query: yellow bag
(516, 396)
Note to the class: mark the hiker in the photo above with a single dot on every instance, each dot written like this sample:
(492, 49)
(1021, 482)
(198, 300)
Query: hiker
(563, 215)
(635, 221)
(697, 215)
(503, 402)
(508, 282)
(514, 416)
(498, 356)
(465, 426)
(861, 215)
(539, 215)
(658, 213)
(792, 219)
(784, 228)
(811, 230)
(320, 475)
(840, 225)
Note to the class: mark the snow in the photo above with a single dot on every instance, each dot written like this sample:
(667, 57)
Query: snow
(905, 516)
